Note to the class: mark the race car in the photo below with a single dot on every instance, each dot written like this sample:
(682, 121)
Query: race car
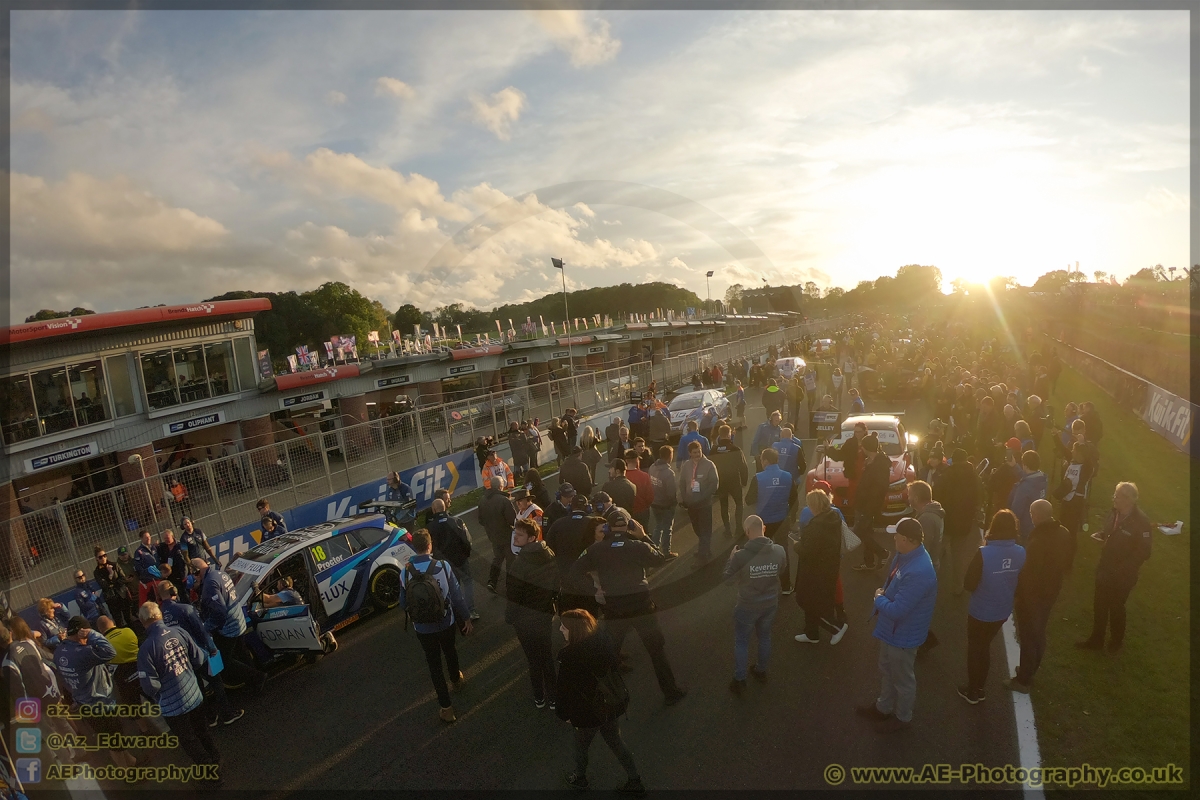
(790, 366)
(821, 347)
(896, 444)
(343, 569)
(705, 406)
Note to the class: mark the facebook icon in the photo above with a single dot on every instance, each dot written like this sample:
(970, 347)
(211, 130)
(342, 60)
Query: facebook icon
(29, 770)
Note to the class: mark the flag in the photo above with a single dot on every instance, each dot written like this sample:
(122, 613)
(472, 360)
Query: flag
(292, 363)
(459, 329)
(436, 332)
(498, 328)
(373, 336)
(264, 364)
(312, 360)
(553, 330)
(557, 262)
(396, 337)
(428, 342)
(329, 350)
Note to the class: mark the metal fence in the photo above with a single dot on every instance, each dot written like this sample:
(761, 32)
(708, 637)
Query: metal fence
(40, 550)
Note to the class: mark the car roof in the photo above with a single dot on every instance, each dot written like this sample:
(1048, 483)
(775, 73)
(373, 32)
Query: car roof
(877, 421)
(696, 393)
(293, 541)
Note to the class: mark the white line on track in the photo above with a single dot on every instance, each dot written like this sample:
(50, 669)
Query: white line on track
(1027, 741)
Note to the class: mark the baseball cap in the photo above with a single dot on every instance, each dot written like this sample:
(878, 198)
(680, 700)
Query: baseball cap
(76, 624)
(1014, 444)
(601, 497)
(122, 550)
(566, 489)
(909, 528)
(579, 501)
(618, 519)
(824, 486)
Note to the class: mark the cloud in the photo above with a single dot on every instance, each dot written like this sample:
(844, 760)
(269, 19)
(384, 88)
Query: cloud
(583, 209)
(587, 39)
(610, 222)
(1088, 68)
(88, 216)
(1161, 200)
(33, 119)
(335, 98)
(499, 113)
(392, 87)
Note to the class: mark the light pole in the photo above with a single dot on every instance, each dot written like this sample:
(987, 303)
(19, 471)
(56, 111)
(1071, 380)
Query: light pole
(557, 263)
(708, 288)
(136, 458)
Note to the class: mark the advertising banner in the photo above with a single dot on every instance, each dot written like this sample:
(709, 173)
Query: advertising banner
(1171, 417)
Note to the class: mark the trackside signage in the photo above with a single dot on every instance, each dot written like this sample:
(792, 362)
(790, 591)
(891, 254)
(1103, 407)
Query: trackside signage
(1170, 416)
(49, 460)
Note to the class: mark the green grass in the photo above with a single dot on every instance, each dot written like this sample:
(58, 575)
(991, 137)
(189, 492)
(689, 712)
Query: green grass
(1131, 709)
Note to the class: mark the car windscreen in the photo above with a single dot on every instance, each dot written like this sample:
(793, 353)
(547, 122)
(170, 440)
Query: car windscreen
(889, 440)
(686, 402)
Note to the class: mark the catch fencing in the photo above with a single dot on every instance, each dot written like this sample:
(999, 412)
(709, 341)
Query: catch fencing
(39, 551)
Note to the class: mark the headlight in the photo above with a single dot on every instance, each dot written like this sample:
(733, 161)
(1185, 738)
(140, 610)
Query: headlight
(912, 438)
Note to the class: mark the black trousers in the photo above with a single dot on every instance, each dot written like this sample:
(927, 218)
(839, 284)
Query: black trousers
(612, 737)
(1108, 604)
(1032, 619)
(646, 625)
(501, 555)
(979, 650)
(724, 495)
(534, 636)
(220, 707)
(237, 661)
(435, 646)
(194, 738)
(818, 613)
(777, 533)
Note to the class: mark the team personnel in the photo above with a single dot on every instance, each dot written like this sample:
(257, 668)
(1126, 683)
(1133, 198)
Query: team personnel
(756, 568)
(692, 435)
(1126, 538)
(765, 435)
(992, 581)
(568, 538)
(769, 492)
(180, 615)
(430, 595)
(223, 618)
(903, 611)
(265, 513)
(620, 562)
(733, 475)
(82, 661)
(698, 482)
(791, 460)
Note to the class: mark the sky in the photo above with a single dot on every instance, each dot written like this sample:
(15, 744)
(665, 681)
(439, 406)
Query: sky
(437, 157)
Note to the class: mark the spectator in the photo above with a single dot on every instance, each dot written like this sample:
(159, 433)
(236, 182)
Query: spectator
(577, 473)
(168, 662)
(518, 445)
(1047, 560)
(770, 492)
(114, 586)
(1072, 493)
(532, 480)
(658, 429)
(732, 474)
(869, 501)
(1126, 538)
(773, 398)
(1023, 434)
(530, 590)
(568, 538)
(756, 568)
(819, 552)
(452, 543)
(851, 455)
(436, 578)
(620, 562)
(740, 403)
(619, 487)
(1091, 418)
(932, 517)
(666, 496)
(1005, 476)
(1031, 486)
(698, 482)
(992, 581)
(904, 608)
(589, 445)
(588, 657)
(644, 497)
(857, 406)
(497, 515)
(562, 502)
(612, 435)
(692, 435)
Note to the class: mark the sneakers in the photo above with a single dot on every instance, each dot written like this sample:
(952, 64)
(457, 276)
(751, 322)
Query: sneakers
(787, 591)
(871, 711)
(864, 567)
(456, 681)
(553, 705)
(447, 714)
(761, 677)
(634, 787)
(837, 637)
(804, 638)
(972, 696)
(675, 696)
(577, 781)
(539, 702)
(737, 687)
(214, 722)
(1090, 644)
(1015, 685)
(892, 725)
(474, 614)
(234, 717)
(491, 587)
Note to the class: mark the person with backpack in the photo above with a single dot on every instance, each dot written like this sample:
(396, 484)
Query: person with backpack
(431, 597)
(452, 543)
(592, 696)
(531, 589)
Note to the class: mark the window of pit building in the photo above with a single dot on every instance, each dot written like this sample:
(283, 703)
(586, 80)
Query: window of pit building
(247, 365)
(190, 372)
(52, 396)
(121, 385)
(158, 375)
(88, 393)
(18, 413)
(222, 376)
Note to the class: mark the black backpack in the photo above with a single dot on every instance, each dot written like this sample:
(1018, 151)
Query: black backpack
(612, 696)
(423, 600)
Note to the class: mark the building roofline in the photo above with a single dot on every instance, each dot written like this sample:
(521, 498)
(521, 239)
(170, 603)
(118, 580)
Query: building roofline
(96, 323)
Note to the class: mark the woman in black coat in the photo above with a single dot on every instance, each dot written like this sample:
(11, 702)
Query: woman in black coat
(532, 480)
(587, 656)
(530, 589)
(819, 553)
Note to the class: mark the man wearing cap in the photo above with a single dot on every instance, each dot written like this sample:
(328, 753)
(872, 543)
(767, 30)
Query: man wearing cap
(621, 561)
(561, 505)
(618, 487)
(496, 471)
(182, 616)
(81, 658)
(568, 538)
(575, 472)
(903, 611)
(698, 481)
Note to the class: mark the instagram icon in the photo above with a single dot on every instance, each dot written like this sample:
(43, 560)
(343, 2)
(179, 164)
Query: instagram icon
(29, 710)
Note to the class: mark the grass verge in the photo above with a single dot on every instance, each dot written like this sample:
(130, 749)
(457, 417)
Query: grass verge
(1131, 709)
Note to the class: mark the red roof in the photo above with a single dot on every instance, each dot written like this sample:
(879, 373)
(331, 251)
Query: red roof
(91, 323)
(475, 352)
(294, 380)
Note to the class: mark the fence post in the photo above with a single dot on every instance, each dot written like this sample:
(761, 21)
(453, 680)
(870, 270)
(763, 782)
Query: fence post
(387, 462)
(341, 437)
(287, 460)
(325, 461)
(420, 432)
(253, 477)
(212, 487)
(66, 529)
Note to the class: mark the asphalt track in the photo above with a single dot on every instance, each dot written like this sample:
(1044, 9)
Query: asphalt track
(366, 716)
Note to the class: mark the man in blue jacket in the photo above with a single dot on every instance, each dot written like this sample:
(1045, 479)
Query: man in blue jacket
(1031, 486)
(183, 616)
(224, 619)
(693, 435)
(765, 435)
(82, 660)
(168, 662)
(769, 491)
(904, 607)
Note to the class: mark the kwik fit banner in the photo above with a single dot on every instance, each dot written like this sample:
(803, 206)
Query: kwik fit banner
(1171, 417)
(457, 472)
